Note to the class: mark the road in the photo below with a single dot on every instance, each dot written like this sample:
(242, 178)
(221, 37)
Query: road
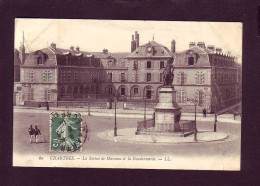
(95, 145)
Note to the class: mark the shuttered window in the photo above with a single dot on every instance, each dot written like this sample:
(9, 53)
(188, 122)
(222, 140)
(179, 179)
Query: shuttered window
(181, 96)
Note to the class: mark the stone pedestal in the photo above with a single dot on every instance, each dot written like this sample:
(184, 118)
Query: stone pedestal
(167, 111)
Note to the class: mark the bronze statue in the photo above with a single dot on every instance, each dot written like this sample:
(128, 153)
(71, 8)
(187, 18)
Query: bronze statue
(168, 75)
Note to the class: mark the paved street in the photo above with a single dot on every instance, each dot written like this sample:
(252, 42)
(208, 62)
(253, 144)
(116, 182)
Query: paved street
(95, 145)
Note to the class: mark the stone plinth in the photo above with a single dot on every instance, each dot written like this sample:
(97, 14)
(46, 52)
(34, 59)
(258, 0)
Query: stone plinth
(167, 111)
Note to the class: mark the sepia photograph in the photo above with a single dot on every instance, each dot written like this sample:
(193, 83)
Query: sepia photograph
(131, 94)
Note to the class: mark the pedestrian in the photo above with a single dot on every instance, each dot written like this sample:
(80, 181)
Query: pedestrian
(36, 133)
(31, 133)
(47, 105)
(204, 113)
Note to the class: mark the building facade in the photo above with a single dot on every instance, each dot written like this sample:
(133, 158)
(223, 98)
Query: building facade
(60, 76)
(207, 76)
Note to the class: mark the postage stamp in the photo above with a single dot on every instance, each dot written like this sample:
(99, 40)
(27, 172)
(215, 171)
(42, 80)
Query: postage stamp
(65, 132)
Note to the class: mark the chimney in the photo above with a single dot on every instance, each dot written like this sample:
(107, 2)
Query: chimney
(218, 50)
(133, 44)
(77, 48)
(22, 53)
(137, 39)
(72, 48)
(201, 45)
(211, 47)
(192, 44)
(53, 45)
(173, 46)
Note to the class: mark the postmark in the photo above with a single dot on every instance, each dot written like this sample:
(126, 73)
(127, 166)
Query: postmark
(65, 132)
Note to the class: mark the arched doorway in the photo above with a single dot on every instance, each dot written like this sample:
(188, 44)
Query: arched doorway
(148, 92)
(135, 92)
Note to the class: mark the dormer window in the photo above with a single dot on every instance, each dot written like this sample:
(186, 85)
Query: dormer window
(191, 61)
(39, 60)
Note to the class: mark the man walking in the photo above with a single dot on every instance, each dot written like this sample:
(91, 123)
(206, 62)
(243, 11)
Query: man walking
(36, 133)
(31, 133)
(204, 113)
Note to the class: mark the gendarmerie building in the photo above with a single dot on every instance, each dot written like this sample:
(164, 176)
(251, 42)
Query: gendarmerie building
(208, 76)
(70, 76)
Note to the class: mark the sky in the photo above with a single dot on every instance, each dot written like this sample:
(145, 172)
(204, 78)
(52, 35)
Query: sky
(116, 35)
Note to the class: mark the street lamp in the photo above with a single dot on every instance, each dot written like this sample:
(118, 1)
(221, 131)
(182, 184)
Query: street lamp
(195, 128)
(215, 112)
(115, 129)
(145, 112)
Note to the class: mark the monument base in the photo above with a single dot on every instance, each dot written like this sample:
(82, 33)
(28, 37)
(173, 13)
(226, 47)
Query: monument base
(167, 115)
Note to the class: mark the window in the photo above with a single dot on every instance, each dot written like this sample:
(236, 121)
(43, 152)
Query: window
(122, 91)
(47, 94)
(149, 94)
(161, 77)
(110, 64)
(200, 78)
(181, 96)
(30, 94)
(199, 95)
(181, 79)
(110, 76)
(191, 60)
(31, 76)
(161, 64)
(39, 60)
(47, 76)
(135, 91)
(122, 77)
(149, 64)
(135, 65)
(110, 90)
(149, 77)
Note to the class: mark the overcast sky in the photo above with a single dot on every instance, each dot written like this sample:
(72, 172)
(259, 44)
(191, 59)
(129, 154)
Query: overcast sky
(94, 35)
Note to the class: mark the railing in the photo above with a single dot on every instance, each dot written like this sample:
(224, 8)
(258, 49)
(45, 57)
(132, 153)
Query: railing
(142, 125)
(187, 127)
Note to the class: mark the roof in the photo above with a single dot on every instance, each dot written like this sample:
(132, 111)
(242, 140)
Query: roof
(158, 50)
(198, 50)
(117, 55)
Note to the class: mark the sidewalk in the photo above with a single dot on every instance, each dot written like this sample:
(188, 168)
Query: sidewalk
(127, 113)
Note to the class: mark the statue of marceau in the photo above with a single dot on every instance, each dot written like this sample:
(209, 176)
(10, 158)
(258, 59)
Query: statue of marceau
(168, 75)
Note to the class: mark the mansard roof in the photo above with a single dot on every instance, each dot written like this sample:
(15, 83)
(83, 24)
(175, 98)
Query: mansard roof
(158, 50)
(198, 50)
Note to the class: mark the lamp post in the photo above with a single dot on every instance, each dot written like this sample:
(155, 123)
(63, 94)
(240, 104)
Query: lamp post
(195, 127)
(145, 112)
(215, 113)
(115, 129)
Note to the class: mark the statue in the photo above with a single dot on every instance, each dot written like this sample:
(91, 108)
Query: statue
(168, 75)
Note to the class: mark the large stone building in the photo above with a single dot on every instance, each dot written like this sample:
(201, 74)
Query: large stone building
(54, 74)
(66, 76)
(208, 76)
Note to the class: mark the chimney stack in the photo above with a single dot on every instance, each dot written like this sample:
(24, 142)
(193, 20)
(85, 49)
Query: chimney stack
(201, 45)
(72, 48)
(22, 51)
(192, 44)
(53, 45)
(133, 44)
(218, 50)
(173, 46)
(77, 48)
(137, 39)
(211, 47)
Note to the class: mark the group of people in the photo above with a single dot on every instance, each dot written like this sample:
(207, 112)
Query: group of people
(34, 132)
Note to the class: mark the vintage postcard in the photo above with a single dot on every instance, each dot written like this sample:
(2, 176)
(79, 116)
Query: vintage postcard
(127, 94)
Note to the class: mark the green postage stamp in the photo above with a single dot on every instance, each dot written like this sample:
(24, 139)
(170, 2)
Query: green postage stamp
(65, 132)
